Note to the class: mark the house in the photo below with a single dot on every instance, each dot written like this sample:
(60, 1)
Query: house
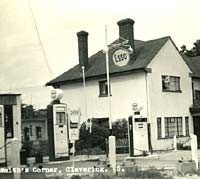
(34, 130)
(154, 76)
(34, 124)
(194, 64)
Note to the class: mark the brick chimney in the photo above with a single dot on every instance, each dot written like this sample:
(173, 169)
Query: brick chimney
(126, 31)
(83, 48)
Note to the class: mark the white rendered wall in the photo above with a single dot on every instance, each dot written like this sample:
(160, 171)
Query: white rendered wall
(168, 104)
(125, 91)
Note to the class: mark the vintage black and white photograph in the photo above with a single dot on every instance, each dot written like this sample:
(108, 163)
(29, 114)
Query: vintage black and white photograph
(99, 89)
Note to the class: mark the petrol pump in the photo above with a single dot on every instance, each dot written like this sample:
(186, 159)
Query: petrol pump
(138, 133)
(10, 126)
(58, 137)
(2, 133)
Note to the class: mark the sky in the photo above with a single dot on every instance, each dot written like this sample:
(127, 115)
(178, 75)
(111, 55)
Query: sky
(39, 41)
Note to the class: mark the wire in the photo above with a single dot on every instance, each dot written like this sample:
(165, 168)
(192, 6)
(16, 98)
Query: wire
(39, 38)
(27, 87)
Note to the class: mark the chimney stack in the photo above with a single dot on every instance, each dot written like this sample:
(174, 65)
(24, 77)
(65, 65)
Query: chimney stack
(126, 31)
(83, 48)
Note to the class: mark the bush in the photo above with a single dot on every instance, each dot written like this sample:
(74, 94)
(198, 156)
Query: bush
(151, 173)
(135, 172)
(100, 132)
(96, 139)
(180, 146)
(91, 151)
(75, 177)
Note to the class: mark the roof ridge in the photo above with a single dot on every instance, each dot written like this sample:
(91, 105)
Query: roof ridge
(145, 52)
(164, 37)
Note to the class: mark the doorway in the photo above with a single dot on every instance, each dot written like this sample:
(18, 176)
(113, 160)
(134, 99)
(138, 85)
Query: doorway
(8, 115)
(196, 122)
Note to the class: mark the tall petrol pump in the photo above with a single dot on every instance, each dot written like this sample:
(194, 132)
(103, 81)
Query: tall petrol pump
(138, 133)
(10, 126)
(2, 133)
(58, 134)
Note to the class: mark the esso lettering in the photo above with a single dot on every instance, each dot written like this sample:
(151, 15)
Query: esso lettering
(121, 57)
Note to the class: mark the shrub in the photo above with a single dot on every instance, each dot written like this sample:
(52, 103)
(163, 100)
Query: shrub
(75, 177)
(181, 146)
(91, 151)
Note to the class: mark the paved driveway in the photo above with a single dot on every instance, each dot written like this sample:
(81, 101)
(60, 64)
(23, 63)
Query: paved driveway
(167, 160)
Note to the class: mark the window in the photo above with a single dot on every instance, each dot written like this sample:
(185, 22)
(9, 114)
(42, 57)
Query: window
(38, 132)
(31, 130)
(173, 126)
(187, 126)
(159, 128)
(26, 134)
(197, 94)
(170, 83)
(1, 117)
(60, 118)
(103, 88)
(8, 114)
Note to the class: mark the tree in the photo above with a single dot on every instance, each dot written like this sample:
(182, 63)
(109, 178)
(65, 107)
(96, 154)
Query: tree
(100, 132)
(93, 140)
(195, 51)
(120, 129)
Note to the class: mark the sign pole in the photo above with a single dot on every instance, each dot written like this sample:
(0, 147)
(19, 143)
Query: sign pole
(73, 162)
(108, 80)
(112, 146)
(84, 89)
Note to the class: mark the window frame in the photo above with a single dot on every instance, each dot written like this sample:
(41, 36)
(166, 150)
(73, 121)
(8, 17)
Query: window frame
(159, 127)
(173, 83)
(38, 132)
(187, 126)
(101, 83)
(197, 94)
(173, 128)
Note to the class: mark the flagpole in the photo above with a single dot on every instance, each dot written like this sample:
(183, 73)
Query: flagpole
(84, 89)
(108, 80)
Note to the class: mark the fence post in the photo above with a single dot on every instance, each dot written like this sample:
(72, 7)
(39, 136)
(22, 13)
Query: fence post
(175, 143)
(112, 153)
(15, 157)
(194, 149)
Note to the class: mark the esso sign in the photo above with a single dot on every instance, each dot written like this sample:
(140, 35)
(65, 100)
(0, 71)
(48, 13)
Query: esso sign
(56, 94)
(121, 57)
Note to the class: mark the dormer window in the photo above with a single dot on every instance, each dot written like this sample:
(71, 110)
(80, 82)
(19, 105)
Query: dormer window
(171, 83)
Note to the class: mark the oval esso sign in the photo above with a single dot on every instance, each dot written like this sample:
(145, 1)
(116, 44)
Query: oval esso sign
(121, 57)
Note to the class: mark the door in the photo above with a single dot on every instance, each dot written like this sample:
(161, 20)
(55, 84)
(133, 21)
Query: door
(8, 118)
(131, 147)
(196, 122)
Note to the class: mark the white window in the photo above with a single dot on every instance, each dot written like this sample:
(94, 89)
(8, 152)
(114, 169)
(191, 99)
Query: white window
(103, 88)
(173, 126)
(170, 83)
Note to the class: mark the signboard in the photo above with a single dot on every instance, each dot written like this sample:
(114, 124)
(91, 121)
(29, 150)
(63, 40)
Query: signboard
(74, 121)
(121, 57)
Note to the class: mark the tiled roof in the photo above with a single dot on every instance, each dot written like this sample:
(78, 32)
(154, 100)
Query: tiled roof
(194, 64)
(144, 52)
